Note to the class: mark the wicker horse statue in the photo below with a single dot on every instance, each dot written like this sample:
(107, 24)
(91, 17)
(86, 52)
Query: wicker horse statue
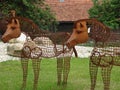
(106, 52)
(40, 44)
(43, 46)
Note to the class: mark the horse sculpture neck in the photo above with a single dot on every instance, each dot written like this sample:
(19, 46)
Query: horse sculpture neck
(29, 27)
(32, 30)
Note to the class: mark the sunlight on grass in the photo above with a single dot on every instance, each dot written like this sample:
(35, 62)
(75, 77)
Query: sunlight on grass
(79, 79)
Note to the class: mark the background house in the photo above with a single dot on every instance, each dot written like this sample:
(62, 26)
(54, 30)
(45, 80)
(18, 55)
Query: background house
(68, 11)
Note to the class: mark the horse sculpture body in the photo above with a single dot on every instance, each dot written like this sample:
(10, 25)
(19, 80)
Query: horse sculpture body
(105, 56)
(42, 44)
(106, 52)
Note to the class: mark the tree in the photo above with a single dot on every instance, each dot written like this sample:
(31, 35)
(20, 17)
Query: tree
(36, 10)
(107, 11)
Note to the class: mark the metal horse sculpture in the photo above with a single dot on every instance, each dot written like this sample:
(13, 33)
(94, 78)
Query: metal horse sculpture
(106, 52)
(41, 44)
(44, 46)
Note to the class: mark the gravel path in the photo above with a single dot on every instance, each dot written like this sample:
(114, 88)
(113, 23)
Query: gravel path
(3, 53)
(81, 50)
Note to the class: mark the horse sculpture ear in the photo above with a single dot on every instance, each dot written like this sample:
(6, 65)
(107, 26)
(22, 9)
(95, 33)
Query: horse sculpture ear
(81, 25)
(15, 21)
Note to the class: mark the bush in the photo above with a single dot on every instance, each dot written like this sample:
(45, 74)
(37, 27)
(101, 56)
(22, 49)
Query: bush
(107, 11)
(36, 10)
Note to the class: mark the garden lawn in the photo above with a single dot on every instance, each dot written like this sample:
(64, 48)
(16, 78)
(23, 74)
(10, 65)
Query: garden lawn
(79, 79)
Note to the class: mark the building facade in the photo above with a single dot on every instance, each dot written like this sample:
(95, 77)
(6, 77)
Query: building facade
(68, 11)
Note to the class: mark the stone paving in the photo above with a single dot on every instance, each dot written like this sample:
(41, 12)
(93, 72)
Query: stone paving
(3, 53)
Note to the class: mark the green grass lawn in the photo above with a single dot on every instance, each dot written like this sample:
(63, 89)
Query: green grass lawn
(79, 79)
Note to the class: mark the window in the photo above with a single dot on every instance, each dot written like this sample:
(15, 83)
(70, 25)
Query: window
(61, 0)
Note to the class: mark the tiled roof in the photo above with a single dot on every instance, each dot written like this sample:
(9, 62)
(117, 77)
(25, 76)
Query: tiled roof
(70, 10)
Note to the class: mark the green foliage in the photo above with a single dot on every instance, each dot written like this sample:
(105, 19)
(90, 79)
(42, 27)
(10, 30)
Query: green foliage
(36, 10)
(107, 11)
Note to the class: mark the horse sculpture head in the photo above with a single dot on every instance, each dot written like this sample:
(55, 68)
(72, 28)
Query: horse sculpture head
(98, 32)
(79, 34)
(11, 30)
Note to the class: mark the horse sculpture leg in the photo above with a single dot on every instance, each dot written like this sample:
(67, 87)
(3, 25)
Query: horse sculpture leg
(59, 70)
(93, 74)
(24, 63)
(106, 72)
(63, 68)
(66, 69)
(36, 69)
